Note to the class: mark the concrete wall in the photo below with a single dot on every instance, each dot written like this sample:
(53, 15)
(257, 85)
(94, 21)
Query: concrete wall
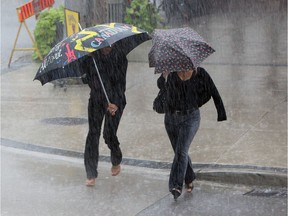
(140, 53)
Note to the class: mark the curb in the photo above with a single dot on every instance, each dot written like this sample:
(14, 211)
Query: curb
(231, 174)
(245, 177)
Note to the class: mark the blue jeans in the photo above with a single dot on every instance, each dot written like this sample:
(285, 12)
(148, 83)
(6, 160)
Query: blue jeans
(181, 130)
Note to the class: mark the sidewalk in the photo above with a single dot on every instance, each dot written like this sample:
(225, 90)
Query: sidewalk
(253, 142)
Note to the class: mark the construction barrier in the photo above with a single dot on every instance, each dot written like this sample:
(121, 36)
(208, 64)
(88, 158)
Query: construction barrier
(24, 12)
(32, 8)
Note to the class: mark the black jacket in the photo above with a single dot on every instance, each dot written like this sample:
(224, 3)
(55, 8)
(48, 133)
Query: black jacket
(204, 88)
(112, 69)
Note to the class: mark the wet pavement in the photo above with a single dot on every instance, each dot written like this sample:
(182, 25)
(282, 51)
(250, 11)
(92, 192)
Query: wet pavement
(39, 184)
(250, 148)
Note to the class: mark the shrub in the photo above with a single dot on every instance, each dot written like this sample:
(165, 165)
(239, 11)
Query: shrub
(143, 14)
(46, 30)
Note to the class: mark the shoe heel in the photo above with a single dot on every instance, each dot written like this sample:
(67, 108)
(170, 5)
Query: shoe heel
(176, 193)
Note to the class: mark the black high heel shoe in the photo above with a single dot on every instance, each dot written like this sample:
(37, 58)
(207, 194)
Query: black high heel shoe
(176, 193)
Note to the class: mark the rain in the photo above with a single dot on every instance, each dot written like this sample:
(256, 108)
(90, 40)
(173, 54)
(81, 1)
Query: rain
(240, 163)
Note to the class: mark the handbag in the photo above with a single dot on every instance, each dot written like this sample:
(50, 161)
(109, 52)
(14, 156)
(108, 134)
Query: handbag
(159, 102)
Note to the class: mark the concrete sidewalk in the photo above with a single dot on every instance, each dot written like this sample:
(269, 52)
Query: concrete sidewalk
(253, 141)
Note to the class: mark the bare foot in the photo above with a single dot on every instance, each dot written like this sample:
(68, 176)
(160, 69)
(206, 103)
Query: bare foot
(189, 187)
(115, 170)
(90, 182)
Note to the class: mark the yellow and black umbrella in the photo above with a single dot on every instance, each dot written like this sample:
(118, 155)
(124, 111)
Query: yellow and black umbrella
(64, 58)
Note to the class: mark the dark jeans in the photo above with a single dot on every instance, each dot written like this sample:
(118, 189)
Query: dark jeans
(181, 130)
(96, 114)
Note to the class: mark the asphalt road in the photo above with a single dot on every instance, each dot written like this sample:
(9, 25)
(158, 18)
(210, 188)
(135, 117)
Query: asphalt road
(35, 184)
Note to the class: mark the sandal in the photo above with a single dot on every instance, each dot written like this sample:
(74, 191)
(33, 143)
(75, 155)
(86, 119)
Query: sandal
(189, 187)
(176, 193)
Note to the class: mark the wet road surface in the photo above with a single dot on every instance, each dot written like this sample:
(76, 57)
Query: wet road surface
(37, 184)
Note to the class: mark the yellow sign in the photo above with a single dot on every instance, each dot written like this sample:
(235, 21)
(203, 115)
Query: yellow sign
(72, 20)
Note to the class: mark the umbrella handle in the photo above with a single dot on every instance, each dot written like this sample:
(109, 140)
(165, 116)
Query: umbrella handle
(104, 90)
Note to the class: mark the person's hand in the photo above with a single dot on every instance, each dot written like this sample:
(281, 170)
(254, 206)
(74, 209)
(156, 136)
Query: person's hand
(165, 74)
(112, 108)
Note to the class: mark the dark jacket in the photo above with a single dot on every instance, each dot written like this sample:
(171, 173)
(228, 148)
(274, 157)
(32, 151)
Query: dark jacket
(201, 89)
(112, 69)
(205, 87)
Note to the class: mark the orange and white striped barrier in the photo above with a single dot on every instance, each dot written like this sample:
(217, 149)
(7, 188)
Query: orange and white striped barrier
(24, 12)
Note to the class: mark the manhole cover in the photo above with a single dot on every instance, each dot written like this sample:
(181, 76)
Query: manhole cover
(65, 121)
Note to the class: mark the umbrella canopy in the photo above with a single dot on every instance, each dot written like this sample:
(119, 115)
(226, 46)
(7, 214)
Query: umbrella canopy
(64, 58)
(178, 49)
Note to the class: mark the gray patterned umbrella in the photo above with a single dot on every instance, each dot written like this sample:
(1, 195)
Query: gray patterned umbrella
(177, 49)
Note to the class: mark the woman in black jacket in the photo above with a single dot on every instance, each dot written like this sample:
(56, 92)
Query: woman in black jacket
(186, 92)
